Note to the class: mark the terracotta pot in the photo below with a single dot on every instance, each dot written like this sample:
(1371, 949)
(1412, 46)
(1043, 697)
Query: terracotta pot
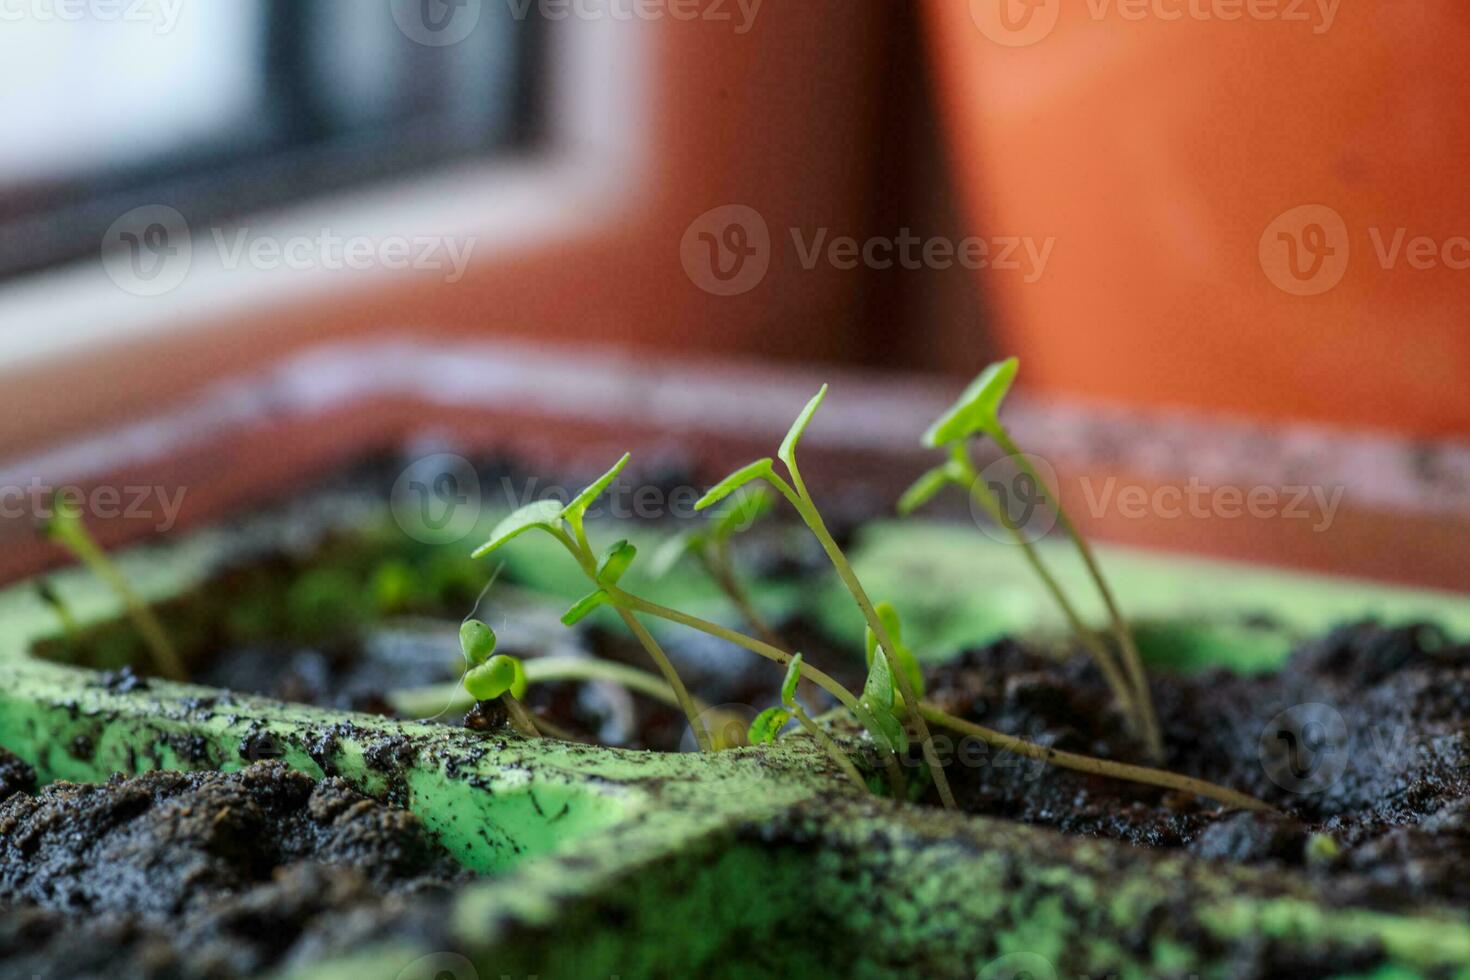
(1178, 158)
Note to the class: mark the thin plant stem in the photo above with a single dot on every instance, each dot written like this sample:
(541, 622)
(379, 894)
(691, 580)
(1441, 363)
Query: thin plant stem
(831, 747)
(582, 552)
(717, 564)
(1132, 661)
(539, 670)
(799, 499)
(520, 718)
(1098, 767)
(1065, 760)
(817, 676)
(1122, 689)
(165, 660)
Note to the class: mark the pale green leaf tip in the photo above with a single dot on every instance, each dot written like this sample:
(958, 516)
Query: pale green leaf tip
(793, 678)
(542, 513)
(798, 428)
(584, 607)
(977, 408)
(733, 482)
(579, 504)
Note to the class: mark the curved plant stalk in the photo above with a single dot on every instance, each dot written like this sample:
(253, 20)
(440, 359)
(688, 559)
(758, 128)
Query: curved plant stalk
(554, 519)
(977, 412)
(932, 713)
(67, 529)
(1122, 689)
(768, 724)
(582, 553)
(1096, 767)
(821, 678)
(541, 670)
(799, 498)
(715, 560)
(830, 747)
(1132, 661)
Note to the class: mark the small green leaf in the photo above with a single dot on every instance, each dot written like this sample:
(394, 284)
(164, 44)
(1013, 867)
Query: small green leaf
(577, 509)
(585, 606)
(758, 470)
(672, 551)
(787, 454)
(878, 689)
(925, 488)
(977, 409)
(543, 514)
(615, 562)
(767, 725)
(476, 641)
(885, 729)
(907, 662)
(793, 678)
(741, 512)
(498, 675)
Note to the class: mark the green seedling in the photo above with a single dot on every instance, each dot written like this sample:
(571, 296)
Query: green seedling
(567, 525)
(889, 695)
(977, 413)
(796, 493)
(439, 698)
(937, 716)
(56, 604)
(768, 724)
(710, 547)
(66, 528)
(494, 675)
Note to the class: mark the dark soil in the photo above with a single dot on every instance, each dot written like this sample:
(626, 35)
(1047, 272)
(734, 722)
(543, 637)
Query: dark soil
(1361, 739)
(206, 874)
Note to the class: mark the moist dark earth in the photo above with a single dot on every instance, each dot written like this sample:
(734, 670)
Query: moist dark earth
(1359, 743)
(205, 874)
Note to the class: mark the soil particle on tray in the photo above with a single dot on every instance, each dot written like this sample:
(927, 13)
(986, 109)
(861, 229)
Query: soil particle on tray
(207, 874)
(15, 776)
(1360, 738)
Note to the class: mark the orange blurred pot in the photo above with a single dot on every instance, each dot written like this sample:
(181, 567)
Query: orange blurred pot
(1170, 147)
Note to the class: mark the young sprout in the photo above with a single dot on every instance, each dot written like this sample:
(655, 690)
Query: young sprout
(937, 716)
(56, 604)
(567, 525)
(494, 675)
(768, 724)
(977, 413)
(66, 528)
(796, 492)
(710, 547)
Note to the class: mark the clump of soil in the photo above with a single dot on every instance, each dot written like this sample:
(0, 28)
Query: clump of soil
(207, 874)
(1361, 738)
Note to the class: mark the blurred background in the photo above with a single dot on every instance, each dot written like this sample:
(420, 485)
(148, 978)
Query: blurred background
(1229, 241)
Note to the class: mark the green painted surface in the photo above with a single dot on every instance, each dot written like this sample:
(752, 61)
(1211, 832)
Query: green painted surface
(602, 862)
